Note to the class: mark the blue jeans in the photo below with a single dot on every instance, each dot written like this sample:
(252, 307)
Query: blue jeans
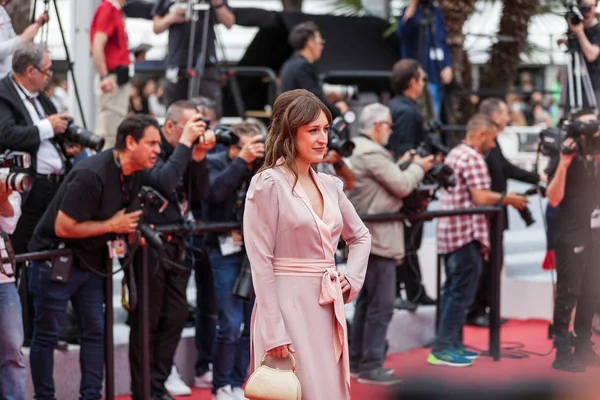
(463, 267)
(86, 292)
(12, 369)
(437, 96)
(232, 348)
(206, 309)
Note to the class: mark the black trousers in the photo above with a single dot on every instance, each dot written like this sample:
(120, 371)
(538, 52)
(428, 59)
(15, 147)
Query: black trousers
(36, 203)
(577, 285)
(409, 272)
(210, 87)
(482, 301)
(168, 309)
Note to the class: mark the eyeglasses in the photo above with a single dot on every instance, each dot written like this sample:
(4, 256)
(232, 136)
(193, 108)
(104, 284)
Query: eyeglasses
(48, 71)
(319, 41)
(177, 124)
(391, 125)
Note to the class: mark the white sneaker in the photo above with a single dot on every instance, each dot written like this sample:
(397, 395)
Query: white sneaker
(204, 381)
(224, 393)
(175, 385)
(238, 394)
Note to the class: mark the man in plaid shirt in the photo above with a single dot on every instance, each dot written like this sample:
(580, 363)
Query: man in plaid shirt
(464, 240)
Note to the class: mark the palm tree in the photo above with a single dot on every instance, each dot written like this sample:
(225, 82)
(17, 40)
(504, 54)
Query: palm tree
(505, 54)
(19, 10)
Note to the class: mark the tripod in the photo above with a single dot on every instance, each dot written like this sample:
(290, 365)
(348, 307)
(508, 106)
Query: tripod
(196, 72)
(44, 40)
(578, 81)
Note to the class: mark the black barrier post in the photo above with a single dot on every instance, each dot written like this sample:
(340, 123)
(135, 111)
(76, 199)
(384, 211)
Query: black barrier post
(109, 352)
(145, 324)
(496, 269)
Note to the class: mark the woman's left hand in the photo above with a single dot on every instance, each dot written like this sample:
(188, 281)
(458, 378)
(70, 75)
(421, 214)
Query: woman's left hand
(344, 282)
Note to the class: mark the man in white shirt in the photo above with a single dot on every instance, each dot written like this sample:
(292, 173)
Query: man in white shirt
(12, 369)
(29, 123)
(9, 40)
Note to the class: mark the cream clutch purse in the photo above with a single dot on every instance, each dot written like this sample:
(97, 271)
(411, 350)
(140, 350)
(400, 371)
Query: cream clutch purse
(268, 383)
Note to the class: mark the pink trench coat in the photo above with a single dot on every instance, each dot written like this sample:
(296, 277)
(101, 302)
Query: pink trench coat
(298, 294)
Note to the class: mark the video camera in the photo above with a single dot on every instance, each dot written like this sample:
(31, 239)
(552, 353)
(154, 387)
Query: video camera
(335, 141)
(348, 92)
(82, 136)
(147, 198)
(582, 133)
(12, 165)
(225, 135)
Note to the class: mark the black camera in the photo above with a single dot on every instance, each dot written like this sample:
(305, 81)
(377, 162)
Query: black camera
(82, 136)
(149, 198)
(226, 136)
(582, 133)
(335, 140)
(525, 213)
(12, 167)
(575, 12)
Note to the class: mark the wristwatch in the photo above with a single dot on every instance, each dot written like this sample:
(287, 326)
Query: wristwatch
(104, 76)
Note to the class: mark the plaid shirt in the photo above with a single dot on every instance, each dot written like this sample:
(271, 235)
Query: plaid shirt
(471, 172)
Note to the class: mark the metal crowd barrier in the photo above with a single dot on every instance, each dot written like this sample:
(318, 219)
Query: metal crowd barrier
(199, 228)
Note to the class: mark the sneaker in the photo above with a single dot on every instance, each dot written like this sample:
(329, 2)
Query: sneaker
(380, 377)
(354, 372)
(450, 358)
(204, 381)
(238, 394)
(471, 355)
(224, 393)
(175, 385)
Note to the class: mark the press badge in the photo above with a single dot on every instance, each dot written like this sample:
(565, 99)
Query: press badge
(595, 219)
(231, 243)
(117, 248)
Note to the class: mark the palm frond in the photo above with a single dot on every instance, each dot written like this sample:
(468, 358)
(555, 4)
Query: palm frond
(346, 7)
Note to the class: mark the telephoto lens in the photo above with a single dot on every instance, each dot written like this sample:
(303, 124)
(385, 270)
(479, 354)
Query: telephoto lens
(18, 181)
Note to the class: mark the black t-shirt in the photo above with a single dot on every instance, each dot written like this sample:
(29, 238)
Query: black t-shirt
(593, 35)
(92, 191)
(582, 197)
(179, 36)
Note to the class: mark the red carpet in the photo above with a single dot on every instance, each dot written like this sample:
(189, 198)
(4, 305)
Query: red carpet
(532, 335)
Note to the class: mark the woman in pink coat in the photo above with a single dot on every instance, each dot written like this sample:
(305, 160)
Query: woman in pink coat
(293, 220)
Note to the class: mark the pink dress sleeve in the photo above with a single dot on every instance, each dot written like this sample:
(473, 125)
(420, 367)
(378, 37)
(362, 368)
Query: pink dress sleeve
(260, 232)
(357, 237)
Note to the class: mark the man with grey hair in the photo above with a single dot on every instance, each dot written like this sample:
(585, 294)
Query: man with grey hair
(9, 40)
(379, 187)
(29, 122)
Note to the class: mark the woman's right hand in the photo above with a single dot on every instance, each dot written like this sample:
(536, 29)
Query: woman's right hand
(281, 351)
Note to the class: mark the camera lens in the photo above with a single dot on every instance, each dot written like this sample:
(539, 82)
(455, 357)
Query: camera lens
(18, 181)
(77, 134)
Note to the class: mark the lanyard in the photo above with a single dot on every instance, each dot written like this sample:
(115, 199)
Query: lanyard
(125, 196)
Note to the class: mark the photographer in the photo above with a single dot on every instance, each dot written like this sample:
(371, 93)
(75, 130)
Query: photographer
(587, 34)
(464, 240)
(87, 213)
(379, 188)
(500, 170)
(9, 40)
(408, 81)
(435, 56)
(167, 303)
(230, 174)
(574, 189)
(299, 71)
(110, 53)
(172, 17)
(12, 369)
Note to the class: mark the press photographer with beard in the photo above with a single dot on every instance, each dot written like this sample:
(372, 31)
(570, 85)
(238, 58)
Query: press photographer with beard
(574, 189)
(167, 303)
(88, 212)
(12, 370)
(230, 174)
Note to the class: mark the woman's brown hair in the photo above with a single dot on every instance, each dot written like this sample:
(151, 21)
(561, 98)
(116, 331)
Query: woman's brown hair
(292, 109)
